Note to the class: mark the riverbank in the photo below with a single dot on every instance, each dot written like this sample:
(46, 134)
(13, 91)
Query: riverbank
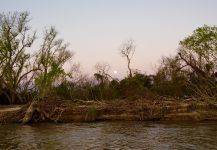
(65, 111)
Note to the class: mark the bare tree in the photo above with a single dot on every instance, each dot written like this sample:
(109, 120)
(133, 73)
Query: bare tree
(127, 50)
(102, 74)
(170, 68)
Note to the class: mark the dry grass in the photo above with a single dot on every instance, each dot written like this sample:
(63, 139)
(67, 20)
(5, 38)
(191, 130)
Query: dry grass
(140, 109)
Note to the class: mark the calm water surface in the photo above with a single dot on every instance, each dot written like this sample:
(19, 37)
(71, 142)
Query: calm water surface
(110, 135)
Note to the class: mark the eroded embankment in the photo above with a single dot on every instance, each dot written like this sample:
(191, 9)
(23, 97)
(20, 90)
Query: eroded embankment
(141, 109)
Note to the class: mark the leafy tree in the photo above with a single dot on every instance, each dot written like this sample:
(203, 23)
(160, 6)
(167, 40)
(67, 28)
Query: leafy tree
(199, 51)
(14, 60)
(51, 57)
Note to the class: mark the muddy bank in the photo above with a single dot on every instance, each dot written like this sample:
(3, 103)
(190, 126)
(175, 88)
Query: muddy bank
(130, 110)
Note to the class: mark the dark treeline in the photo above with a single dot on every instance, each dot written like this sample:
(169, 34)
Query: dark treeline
(27, 76)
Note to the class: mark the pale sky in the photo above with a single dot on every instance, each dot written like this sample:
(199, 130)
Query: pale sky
(95, 29)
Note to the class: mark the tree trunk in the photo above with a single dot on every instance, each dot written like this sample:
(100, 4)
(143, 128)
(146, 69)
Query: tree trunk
(29, 113)
(130, 71)
(35, 108)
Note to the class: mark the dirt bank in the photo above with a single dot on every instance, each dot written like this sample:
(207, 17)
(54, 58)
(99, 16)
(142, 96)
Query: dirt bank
(141, 109)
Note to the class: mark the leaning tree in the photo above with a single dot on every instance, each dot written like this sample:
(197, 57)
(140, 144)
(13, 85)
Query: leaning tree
(50, 59)
(198, 53)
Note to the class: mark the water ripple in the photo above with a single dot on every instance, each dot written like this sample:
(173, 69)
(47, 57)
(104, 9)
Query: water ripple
(110, 135)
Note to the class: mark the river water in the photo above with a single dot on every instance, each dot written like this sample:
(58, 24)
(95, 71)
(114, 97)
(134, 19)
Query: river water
(110, 135)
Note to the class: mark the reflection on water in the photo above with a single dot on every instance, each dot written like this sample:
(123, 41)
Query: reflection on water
(110, 135)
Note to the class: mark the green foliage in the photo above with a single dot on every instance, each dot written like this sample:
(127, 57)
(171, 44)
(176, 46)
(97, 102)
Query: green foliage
(72, 91)
(191, 72)
(199, 52)
(91, 114)
(203, 41)
(136, 86)
(177, 87)
(14, 60)
(50, 60)
(170, 80)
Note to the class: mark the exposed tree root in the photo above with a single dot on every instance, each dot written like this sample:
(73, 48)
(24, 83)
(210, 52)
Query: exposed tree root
(36, 113)
(59, 115)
